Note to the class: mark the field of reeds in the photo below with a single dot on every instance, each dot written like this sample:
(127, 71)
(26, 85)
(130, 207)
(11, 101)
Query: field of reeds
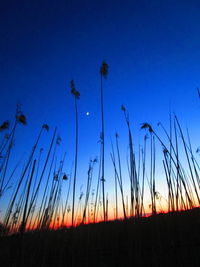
(44, 221)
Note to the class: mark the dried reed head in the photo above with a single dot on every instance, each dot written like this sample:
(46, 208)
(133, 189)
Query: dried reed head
(4, 125)
(104, 69)
(21, 118)
(74, 92)
(146, 125)
(46, 127)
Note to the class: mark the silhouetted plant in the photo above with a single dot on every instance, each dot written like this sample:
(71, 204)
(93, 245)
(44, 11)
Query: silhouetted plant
(134, 181)
(67, 198)
(4, 126)
(76, 95)
(42, 174)
(24, 219)
(98, 186)
(89, 181)
(9, 210)
(103, 74)
(19, 118)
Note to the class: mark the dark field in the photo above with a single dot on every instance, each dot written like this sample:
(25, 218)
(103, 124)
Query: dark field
(163, 240)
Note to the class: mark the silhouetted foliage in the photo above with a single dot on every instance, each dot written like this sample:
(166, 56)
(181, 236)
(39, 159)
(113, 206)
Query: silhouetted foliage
(4, 125)
(147, 126)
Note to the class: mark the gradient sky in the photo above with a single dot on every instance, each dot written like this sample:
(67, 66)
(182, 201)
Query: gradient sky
(153, 52)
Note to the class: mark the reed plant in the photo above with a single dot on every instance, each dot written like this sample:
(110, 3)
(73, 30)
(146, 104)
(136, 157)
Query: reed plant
(76, 96)
(103, 74)
(32, 206)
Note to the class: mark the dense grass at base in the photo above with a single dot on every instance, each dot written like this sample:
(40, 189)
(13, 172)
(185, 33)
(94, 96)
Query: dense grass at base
(171, 239)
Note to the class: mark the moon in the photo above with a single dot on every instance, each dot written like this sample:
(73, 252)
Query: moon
(87, 113)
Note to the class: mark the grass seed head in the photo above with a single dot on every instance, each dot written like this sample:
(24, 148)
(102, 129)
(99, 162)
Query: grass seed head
(46, 127)
(65, 177)
(74, 92)
(21, 118)
(165, 151)
(95, 160)
(104, 69)
(146, 125)
(4, 125)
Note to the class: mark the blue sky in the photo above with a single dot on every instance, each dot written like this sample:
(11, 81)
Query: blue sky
(152, 49)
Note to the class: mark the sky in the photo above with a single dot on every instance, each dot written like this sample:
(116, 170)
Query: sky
(153, 52)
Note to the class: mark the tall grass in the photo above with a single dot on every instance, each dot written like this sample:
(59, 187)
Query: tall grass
(76, 96)
(103, 74)
(32, 206)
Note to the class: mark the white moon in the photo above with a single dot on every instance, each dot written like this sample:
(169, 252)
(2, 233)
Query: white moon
(87, 113)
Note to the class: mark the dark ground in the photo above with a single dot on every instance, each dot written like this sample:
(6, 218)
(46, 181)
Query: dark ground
(164, 240)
